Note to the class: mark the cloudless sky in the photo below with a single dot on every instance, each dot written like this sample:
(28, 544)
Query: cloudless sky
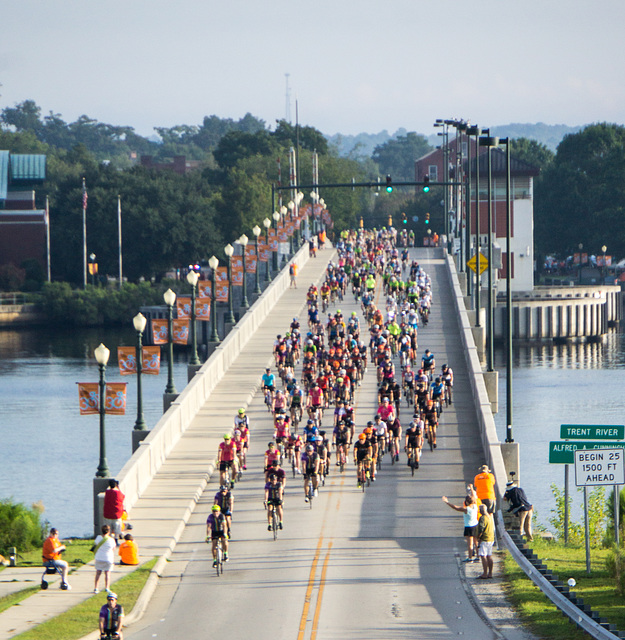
(354, 65)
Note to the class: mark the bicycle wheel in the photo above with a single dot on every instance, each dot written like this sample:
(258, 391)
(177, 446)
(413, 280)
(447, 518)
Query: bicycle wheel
(219, 558)
(274, 523)
(311, 493)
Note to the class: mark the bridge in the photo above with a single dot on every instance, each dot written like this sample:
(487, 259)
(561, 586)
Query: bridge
(384, 563)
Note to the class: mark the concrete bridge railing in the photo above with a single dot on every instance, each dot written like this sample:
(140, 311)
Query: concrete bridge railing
(141, 468)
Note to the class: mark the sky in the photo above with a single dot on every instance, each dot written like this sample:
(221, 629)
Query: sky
(354, 65)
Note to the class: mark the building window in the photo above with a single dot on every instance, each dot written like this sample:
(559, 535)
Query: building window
(433, 172)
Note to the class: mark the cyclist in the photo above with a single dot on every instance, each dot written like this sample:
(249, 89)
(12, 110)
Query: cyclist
(111, 618)
(225, 500)
(414, 439)
(279, 404)
(276, 470)
(314, 402)
(241, 419)
(428, 364)
(245, 439)
(227, 459)
(430, 419)
(394, 428)
(362, 457)
(296, 405)
(310, 466)
(271, 454)
(274, 492)
(382, 434)
(294, 447)
(437, 389)
(216, 529)
(340, 440)
(310, 432)
(372, 440)
(269, 382)
(447, 375)
(386, 411)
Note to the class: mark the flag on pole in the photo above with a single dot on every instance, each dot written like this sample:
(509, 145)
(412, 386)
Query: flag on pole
(84, 195)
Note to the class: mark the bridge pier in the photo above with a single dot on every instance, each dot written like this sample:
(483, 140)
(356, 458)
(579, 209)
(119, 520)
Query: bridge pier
(491, 379)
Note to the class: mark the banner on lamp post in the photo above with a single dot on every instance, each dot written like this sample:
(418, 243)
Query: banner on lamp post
(250, 258)
(180, 329)
(237, 271)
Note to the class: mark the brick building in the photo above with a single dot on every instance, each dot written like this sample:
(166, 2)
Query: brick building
(23, 227)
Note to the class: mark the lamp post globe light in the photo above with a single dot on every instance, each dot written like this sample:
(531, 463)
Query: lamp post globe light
(92, 261)
(102, 357)
(267, 224)
(243, 241)
(192, 278)
(256, 232)
(213, 263)
(229, 250)
(604, 269)
(276, 217)
(139, 322)
(170, 299)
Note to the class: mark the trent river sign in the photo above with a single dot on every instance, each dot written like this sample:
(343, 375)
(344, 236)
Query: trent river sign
(592, 431)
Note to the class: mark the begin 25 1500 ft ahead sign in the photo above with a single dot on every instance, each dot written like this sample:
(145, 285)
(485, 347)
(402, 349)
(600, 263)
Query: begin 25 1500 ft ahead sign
(599, 467)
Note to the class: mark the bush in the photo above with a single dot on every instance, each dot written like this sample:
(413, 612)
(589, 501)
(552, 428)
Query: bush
(11, 277)
(20, 526)
(615, 564)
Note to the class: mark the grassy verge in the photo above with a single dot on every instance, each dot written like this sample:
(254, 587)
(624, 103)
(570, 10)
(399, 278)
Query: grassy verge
(598, 590)
(83, 618)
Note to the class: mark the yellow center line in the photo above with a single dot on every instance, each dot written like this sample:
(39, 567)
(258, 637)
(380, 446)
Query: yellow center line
(322, 582)
(309, 590)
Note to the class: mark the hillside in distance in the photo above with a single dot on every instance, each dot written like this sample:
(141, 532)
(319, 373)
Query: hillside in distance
(363, 144)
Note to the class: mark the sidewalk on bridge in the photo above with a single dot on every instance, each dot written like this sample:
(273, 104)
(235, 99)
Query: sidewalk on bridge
(161, 513)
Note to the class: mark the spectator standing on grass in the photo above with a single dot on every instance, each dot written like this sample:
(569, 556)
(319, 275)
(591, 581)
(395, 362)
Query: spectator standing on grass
(114, 508)
(486, 539)
(104, 549)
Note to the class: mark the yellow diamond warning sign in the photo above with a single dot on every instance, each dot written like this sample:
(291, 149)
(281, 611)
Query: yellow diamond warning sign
(472, 263)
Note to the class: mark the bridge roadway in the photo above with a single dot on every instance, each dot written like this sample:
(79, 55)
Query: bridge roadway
(375, 565)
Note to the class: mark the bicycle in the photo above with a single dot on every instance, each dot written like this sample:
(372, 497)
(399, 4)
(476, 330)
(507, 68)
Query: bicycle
(310, 491)
(274, 519)
(342, 458)
(268, 399)
(412, 459)
(219, 559)
(429, 436)
(364, 477)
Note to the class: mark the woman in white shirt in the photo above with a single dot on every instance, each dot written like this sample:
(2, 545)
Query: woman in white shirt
(470, 513)
(104, 548)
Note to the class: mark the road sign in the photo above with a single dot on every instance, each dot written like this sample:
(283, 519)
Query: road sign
(599, 467)
(592, 431)
(561, 452)
(472, 263)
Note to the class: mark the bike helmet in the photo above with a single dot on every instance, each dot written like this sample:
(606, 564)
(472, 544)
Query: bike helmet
(437, 380)
(362, 436)
(271, 444)
(223, 488)
(215, 507)
(367, 431)
(227, 436)
(241, 411)
(310, 448)
(237, 432)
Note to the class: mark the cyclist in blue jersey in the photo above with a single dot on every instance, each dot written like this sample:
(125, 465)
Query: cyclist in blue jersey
(269, 381)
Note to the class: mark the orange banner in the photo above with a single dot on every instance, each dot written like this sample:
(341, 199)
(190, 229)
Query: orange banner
(183, 307)
(159, 331)
(237, 271)
(180, 329)
(203, 308)
(151, 360)
(272, 240)
(263, 250)
(127, 360)
(221, 284)
(88, 398)
(204, 289)
(250, 259)
(115, 398)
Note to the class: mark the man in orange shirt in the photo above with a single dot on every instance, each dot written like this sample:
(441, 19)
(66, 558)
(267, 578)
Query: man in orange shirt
(51, 553)
(484, 483)
(128, 551)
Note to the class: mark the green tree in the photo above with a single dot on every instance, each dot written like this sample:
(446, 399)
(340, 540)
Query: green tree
(532, 152)
(310, 138)
(397, 156)
(581, 196)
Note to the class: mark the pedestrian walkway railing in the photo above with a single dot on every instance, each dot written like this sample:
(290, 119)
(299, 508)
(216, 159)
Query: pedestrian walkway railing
(152, 452)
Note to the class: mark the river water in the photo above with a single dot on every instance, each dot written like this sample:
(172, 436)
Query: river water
(573, 383)
(49, 453)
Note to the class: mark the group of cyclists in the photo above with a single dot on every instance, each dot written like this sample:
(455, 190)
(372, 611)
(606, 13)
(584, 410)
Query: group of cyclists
(312, 408)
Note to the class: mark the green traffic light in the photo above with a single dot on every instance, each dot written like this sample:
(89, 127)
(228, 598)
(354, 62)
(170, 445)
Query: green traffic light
(426, 189)
(389, 189)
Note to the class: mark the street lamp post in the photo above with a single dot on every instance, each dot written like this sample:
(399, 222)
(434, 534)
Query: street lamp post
(170, 298)
(192, 278)
(276, 217)
(92, 262)
(490, 142)
(213, 263)
(102, 357)
(267, 224)
(291, 208)
(257, 289)
(229, 250)
(243, 240)
(139, 322)
(604, 270)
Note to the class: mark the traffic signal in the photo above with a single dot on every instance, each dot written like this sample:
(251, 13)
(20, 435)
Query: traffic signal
(404, 218)
(426, 184)
(427, 218)
(389, 184)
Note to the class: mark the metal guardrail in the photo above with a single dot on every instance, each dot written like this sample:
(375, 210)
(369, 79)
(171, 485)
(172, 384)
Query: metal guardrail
(569, 609)
(12, 299)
